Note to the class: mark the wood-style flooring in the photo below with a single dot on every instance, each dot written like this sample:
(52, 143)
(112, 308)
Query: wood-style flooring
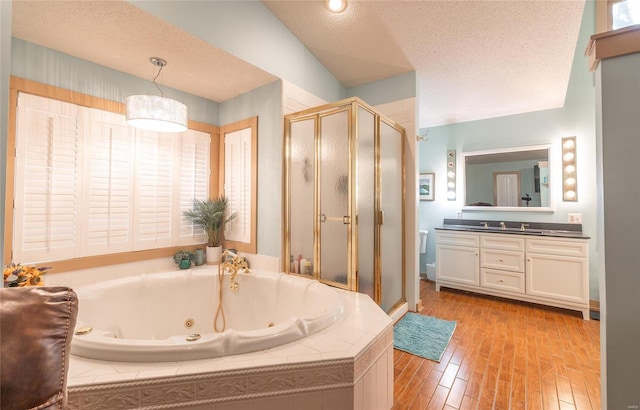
(503, 355)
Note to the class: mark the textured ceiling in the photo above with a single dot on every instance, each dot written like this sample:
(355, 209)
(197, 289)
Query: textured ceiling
(120, 36)
(475, 59)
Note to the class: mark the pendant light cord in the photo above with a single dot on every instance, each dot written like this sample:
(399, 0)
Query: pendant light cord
(154, 81)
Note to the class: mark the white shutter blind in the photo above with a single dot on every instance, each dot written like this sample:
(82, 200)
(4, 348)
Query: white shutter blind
(108, 178)
(46, 176)
(194, 181)
(153, 190)
(237, 184)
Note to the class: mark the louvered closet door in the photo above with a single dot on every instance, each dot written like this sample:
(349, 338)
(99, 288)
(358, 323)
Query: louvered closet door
(47, 158)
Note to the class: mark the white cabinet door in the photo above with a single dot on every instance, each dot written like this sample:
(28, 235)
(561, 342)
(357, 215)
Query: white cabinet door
(458, 264)
(562, 278)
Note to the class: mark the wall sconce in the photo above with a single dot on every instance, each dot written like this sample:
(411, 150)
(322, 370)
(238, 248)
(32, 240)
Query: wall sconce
(569, 170)
(451, 175)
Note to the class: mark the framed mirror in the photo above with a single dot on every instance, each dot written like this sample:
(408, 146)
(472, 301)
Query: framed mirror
(509, 179)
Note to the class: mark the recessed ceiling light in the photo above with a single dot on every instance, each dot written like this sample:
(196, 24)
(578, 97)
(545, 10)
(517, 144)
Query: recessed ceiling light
(337, 6)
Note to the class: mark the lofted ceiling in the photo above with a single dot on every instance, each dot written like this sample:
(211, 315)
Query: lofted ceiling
(474, 59)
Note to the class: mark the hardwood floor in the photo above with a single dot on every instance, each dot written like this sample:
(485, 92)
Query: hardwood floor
(503, 355)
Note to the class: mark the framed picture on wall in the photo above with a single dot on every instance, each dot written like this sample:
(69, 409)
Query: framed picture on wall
(427, 186)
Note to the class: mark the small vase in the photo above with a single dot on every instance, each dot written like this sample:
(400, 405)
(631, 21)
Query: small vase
(199, 257)
(185, 263)
(213, 255)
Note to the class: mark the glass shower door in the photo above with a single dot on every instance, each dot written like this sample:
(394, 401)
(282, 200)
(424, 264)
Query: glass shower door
(391, 216)
(365, 201)
(301, 180)
(334, 198)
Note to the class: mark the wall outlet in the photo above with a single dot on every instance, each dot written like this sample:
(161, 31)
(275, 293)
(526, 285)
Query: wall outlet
(459, 214)
(575, 218)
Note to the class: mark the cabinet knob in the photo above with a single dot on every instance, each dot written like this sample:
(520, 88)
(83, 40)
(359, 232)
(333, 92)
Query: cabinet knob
(501, 260)
(500, 281)
(528, 260)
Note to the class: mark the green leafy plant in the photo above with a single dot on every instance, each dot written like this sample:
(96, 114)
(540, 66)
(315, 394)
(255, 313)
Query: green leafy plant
(211, 215)
(182, 255)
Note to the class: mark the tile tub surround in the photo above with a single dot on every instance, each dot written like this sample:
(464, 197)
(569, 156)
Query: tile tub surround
(346, 366)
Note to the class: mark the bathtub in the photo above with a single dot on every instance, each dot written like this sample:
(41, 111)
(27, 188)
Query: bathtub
(170, 316)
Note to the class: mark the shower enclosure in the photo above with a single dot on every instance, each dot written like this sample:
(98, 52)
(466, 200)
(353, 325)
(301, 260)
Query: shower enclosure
(344, 199)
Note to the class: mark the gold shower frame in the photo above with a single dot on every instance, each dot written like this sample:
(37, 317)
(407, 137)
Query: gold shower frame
(351, 105)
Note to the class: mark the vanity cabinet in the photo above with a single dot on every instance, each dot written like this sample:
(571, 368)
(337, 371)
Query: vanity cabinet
(552, 271)
(459, 255)
(558, 269)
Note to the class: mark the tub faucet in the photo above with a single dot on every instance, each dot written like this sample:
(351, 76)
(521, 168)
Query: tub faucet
(503, 226)
(232, 265)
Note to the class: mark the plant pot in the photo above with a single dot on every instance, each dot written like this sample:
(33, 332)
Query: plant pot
(185, 263)
(213, 254)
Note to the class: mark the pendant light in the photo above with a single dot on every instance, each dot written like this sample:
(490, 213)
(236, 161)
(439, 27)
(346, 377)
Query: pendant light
(155, 112)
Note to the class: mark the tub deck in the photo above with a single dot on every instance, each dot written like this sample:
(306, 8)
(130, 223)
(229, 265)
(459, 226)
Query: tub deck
(346, 366)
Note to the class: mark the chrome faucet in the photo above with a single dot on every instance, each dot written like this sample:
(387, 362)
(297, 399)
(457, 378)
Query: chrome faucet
(522, 226)
(486, 225)
(503, 226)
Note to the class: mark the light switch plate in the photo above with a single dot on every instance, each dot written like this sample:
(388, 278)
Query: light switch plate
(575, 218)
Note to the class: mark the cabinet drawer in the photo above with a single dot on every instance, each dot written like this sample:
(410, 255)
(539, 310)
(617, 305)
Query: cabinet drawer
(503, 260)
(558, 246)
(507, 281)
(502, 241)
(458, 239)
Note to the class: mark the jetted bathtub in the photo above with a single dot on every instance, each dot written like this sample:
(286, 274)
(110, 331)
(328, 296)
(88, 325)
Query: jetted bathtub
(170, 316)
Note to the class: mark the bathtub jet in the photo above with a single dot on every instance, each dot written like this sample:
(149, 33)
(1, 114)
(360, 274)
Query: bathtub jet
(156, 317)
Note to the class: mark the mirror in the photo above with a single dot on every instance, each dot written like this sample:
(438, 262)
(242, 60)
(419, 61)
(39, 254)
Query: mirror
(507, 179)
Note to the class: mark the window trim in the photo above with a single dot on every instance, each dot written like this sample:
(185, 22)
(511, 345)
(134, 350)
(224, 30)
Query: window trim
(252, 123)
(18, 85)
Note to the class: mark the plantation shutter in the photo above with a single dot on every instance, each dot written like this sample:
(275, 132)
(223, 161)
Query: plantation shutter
(194, 181)
(47, 158)
(153, 190)
(237, 184)
(108, 171)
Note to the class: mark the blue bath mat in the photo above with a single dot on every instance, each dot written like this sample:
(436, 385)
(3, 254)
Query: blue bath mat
(423, 336)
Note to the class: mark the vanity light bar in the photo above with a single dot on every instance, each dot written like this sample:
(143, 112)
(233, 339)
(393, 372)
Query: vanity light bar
(569, 170)
(451, 175)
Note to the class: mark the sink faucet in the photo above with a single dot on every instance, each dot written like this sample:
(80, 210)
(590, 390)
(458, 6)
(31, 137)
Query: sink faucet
(485, 225)
(522, 226)
(503, 226)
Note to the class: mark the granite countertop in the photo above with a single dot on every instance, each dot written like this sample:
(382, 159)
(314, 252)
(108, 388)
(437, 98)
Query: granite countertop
(557, 230)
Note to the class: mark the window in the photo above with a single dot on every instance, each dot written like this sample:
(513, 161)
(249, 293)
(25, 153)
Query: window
(624, 13)
(87, 184)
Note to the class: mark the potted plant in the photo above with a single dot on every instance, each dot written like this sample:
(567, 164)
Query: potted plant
(212, 216)
(182, 259)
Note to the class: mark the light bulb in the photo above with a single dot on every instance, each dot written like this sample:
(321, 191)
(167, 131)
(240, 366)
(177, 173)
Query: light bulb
(570, 169)
(451, 174)
(570, 194)
(570, 181)
(569, 156)
(451, 195)
(451, 184)
(336, 5)
(569, 144)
